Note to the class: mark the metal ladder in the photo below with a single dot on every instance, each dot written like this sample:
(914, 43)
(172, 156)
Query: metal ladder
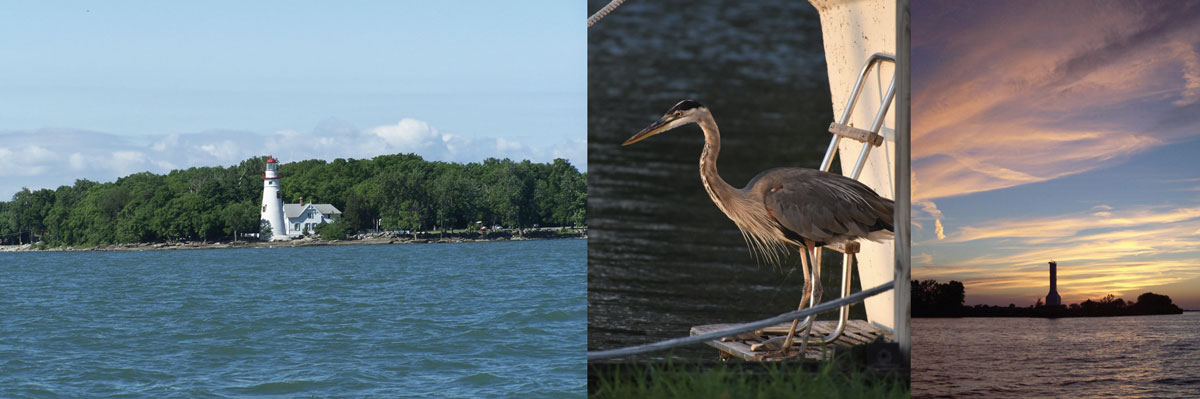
(869, 138)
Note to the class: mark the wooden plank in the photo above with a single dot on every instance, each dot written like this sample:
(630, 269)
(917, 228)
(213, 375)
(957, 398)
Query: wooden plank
(857, 332)
(855, 337)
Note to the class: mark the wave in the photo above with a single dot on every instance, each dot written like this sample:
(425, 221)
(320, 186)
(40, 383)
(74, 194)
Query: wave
(1177, 381)
(480, 379)
(282, 387)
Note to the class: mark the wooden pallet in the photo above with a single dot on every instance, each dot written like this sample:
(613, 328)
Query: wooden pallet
(858, 332)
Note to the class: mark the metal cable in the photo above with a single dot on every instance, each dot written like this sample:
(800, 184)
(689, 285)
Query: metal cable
(709, 336)
(612, 5)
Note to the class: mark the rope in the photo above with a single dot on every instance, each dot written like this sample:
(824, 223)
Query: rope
(612, 5)
(731, 331)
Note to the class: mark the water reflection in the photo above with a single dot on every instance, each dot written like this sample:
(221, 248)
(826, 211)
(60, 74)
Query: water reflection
(661, 256)
(1132, 356)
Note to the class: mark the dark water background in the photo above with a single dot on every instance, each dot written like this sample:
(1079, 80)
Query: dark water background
(1109, 357)
(497, 319)
(661, 256)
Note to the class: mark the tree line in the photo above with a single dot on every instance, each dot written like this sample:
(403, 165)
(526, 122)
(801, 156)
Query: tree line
(933, 299)
(401, 191)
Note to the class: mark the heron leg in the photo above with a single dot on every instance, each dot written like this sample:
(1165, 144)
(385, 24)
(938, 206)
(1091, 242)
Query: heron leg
(806, 266)
(805, 260)
(815, 294)
(818, 288)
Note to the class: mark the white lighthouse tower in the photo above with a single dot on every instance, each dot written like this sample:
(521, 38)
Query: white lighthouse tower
(272, 204)
(1052, 299)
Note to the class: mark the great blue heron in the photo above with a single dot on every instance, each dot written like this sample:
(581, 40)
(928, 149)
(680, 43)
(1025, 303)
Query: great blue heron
(782, 207)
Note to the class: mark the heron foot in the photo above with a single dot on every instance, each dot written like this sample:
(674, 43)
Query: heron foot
(741, 337)
(773, 344)
(780, 354)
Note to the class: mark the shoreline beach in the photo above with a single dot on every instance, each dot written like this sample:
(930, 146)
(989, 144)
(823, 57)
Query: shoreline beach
(420, 238)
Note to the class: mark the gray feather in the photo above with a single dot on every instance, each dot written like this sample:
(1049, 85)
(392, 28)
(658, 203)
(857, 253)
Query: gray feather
(820, 206)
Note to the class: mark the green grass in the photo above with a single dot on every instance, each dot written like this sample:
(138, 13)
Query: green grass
(836, 379)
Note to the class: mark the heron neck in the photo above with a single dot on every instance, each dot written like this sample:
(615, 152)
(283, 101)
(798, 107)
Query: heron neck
(717, 188)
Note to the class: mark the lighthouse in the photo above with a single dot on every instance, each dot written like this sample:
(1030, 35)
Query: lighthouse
(272, 203)
(1052, 299)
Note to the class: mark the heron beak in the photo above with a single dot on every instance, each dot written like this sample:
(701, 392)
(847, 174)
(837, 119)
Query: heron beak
(660, 126)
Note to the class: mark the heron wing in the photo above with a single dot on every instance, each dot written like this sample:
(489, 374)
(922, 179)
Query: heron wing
(821, 206)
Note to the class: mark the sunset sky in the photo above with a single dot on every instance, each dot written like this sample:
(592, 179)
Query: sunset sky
(1065, 131)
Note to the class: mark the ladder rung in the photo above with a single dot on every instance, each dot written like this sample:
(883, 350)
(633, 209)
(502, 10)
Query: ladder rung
(856, 134)
(850, 248)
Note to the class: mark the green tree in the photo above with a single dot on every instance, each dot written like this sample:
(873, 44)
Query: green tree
(504, 195)
(334, 231)
(29, 211)
(240, 217)
(404, 191)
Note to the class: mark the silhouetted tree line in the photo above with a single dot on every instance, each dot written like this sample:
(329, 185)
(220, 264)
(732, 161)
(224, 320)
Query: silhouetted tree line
(933, 299)
(400, 191)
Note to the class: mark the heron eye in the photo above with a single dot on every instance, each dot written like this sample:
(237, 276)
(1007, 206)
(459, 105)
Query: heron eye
(678, 113)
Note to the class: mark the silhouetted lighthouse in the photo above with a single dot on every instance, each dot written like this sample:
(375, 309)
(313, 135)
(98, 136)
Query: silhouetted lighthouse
(1052, 299)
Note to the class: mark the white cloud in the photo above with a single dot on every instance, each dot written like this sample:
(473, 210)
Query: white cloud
(225, 150)
(78, 162)
(287, 133)
(168, 142)
(127, 162)
(409, 134)
(503, 145)
(164, 165)
(36, 153)
(25, 160)
(48, 158)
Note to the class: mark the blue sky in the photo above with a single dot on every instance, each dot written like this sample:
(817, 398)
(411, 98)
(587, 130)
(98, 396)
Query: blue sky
(1066, 131)
(98, 89)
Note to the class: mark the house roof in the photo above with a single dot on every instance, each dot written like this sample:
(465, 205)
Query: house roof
(294, 210)
(327, 209)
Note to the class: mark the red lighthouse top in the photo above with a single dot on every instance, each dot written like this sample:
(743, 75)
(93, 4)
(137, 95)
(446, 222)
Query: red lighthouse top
(271, 169)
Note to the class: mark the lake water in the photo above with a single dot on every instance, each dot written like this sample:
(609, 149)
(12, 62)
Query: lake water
(1112, 357)
(488, 319)
(662, 258)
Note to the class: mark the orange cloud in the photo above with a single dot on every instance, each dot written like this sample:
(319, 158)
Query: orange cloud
(1059, 227)
(1121, 254)
(1001, 106)
(995, 115)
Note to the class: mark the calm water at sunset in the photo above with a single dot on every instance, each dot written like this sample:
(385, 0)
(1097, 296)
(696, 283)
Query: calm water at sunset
(1123, 357)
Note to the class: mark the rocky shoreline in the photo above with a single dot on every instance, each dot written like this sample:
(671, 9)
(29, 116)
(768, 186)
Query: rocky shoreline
(362, 239)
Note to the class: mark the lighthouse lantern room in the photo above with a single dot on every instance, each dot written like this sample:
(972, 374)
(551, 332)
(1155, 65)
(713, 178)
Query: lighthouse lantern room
(272, 204)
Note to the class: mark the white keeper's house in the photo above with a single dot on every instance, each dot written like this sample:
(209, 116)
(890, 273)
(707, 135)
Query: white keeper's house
(293, 220)
(304, 218)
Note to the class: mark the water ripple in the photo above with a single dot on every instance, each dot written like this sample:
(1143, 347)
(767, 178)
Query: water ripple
(460, 320)
(1142, 356)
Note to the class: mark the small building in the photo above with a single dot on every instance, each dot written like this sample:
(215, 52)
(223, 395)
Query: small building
(304, 218)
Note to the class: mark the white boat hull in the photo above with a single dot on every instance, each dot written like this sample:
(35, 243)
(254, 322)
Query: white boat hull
(854, 30)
